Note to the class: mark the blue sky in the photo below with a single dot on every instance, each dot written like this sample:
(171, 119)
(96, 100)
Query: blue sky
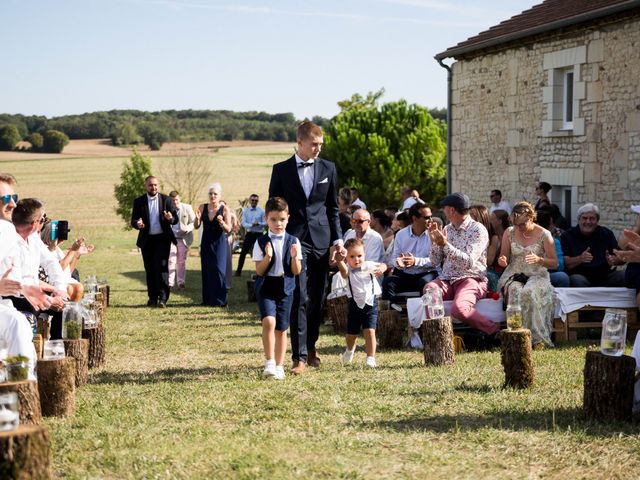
(67, 56)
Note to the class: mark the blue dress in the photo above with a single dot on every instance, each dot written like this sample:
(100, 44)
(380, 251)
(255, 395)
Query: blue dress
(213, 260)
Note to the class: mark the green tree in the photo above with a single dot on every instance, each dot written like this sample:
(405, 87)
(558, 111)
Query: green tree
(131, 184)
(36, 140)
(9, 137)
(54, 141)
(125, 134)
(380, 149)
(153, 135)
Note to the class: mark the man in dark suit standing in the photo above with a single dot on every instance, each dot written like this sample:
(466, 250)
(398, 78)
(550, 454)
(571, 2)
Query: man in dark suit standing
(308, 184)
(152, 215)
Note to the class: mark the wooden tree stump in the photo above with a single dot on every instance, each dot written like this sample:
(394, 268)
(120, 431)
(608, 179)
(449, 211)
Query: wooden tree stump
(44, 326)
(391, 329)
(251, 292)
(28, 399)
(105, 290)
(38, 344)
(97, 344)
(337, 308)
(517, 359)
(437, 338)
(25, 454)
(56, 385)
(608, 387)
(79, 350)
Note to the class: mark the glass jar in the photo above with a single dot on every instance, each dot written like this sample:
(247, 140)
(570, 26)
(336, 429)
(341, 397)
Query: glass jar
(72, 317)
(53, 350)
(432, 299)
(9, 414)
(17, 370)
(514, 311)
(89, 314)
(614, 332)
(90, 284)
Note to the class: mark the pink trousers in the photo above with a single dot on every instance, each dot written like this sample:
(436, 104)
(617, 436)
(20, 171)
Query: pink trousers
(465, 293)
(178, 263)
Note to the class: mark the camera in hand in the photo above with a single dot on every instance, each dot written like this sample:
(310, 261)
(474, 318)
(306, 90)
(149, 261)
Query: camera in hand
(60, 230)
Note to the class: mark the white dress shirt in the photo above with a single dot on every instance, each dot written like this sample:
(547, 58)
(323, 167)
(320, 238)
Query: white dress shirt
(31, 254)
(373, 244)
(408, 203)
(154, 215)
(306, 175)
(501, 205)
(359, 203)
(418, 245)
(277, 241)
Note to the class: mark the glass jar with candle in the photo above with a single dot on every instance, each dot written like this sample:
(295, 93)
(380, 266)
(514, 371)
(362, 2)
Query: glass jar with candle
(514, 311)
(614, 332)
(89, 311)
(9, 413)
(432, 299)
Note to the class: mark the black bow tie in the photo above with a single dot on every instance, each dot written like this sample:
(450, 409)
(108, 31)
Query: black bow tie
(305, 164)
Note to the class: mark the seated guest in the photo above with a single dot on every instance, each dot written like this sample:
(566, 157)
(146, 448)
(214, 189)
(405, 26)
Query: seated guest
(630, 252)
(461, 250)
(413, 268)
(381, 224)
(500, 221)
(390, 212)
(407, 198)
(542, 191)
(373, 245)
(400, 220)
(527, 251)
(558, 277)
(497, 203)
(344, 202)
(588, 252)
(355, 198)
(480, 214)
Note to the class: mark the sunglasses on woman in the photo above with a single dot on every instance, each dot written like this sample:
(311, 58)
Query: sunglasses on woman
(6, 199)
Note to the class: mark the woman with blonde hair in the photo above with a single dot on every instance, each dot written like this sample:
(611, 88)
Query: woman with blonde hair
(527, 252)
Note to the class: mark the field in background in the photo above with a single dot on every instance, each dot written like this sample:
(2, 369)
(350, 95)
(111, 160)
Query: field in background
(181, 394)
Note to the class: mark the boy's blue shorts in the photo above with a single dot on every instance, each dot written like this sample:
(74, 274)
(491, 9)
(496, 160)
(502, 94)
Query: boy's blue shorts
(361, 318)
(274, 303)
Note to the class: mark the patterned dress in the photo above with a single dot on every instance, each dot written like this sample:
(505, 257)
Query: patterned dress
(536, 296)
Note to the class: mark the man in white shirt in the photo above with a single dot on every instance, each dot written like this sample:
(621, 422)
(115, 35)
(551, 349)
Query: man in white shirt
(497, 203)
(413, 268)
(373, 244)
(355, 198)
(253, 222)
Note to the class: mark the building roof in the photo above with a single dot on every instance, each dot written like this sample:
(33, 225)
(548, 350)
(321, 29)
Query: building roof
(547, 16)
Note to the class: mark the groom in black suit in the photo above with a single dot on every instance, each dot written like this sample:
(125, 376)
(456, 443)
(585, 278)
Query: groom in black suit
(153, 214)
(308, 184)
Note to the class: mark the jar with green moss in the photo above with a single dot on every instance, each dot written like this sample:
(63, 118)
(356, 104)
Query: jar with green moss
(72, 321)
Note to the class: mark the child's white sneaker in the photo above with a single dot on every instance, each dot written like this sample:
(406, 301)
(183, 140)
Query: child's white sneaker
(371, 362)
(347, 356)
(269, 369)
(279, 372)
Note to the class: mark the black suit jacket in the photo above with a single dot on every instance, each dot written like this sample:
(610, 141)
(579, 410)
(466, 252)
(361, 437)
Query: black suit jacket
(141, 210)
(314, 220)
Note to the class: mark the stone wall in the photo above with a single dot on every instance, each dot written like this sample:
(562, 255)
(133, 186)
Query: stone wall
(498, 111)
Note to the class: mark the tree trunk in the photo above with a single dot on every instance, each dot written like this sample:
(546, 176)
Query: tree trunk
(97, 343)
(517, 359)
(79, 350)
(105, 290)
(437, 338)
(28, 399)
(608, 387)
(251, 292)
(56, 384)
(391, 330)
(38, 344)
(25, 454)
(337, 308)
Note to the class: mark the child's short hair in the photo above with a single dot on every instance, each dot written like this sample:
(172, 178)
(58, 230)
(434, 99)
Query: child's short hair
(353, 242)
(276, 204)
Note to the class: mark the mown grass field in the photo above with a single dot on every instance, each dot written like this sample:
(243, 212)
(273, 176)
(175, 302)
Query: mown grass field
(181, 394)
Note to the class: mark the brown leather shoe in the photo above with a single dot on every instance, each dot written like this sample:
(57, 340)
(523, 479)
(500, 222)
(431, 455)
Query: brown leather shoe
(298, 367)
(313, 359)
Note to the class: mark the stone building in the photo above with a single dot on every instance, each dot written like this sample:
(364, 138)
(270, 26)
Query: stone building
(552, 94)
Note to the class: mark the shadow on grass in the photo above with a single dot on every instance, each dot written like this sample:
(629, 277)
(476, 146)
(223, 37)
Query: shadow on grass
(564, 419)
(173, 375)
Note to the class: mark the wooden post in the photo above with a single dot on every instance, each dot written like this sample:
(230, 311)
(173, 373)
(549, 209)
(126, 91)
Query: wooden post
(517, 358)
(251, 292)
(608, 386)
(105, 290)
(97, 344)
(25, 454)
(56, 385)
(79, 350)
(391, 330)
(38, 344)
(437, 338)
(337, 308)
(44, 326)
(28, 399)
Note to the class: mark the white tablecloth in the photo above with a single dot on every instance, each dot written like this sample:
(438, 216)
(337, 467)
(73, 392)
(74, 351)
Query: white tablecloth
(571, 299)
(492, 309)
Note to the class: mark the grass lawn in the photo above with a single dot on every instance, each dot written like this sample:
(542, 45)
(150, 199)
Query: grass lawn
(181, 394)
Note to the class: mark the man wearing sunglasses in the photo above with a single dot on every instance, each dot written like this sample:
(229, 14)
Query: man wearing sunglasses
(361, 228)
(413, 268)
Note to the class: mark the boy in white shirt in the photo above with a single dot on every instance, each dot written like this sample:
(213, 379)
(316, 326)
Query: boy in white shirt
(278, 258)
(363, 304)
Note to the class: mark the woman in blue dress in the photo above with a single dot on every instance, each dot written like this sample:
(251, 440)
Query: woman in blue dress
(216, 223)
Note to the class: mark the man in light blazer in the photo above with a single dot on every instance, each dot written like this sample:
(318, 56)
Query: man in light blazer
(183, 231)
(308, 184)
(152, 215)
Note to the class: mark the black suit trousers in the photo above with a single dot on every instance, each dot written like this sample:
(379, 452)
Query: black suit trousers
(247, 247)
(155, 255)
(308, 299)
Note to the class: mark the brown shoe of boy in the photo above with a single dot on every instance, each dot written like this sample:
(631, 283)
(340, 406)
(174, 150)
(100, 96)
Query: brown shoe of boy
(298, 367)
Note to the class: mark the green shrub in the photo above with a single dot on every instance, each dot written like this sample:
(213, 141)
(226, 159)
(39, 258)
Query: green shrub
(54, 141)
(9, 137)
(36, 140)
(131, 185)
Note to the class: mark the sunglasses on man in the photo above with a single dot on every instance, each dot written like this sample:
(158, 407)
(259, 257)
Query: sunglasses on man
(6, 199)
